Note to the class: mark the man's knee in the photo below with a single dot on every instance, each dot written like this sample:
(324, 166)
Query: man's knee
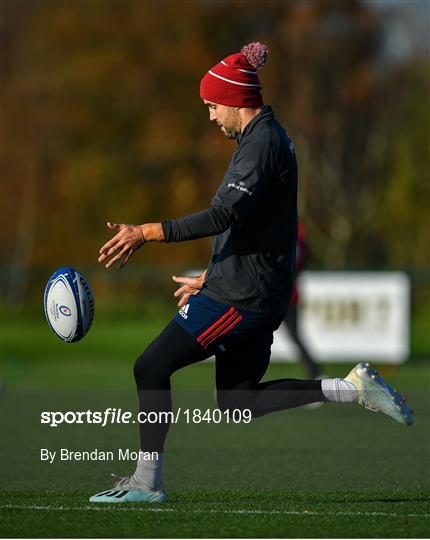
(149, 371)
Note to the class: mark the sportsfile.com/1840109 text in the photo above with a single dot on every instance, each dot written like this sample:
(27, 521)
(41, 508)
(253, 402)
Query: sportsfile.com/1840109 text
(117, 416)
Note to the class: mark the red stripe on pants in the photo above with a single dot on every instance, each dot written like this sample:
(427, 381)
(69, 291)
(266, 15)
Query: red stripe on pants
(219, 329)
(216, 324)
(225, 331)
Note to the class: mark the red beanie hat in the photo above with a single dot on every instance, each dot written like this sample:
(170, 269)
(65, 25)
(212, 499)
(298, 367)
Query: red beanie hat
(234, 81)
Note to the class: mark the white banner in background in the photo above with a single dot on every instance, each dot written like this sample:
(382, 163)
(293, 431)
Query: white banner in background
(351, 316)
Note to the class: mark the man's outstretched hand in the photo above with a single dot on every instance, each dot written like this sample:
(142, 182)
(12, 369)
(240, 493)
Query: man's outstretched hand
(129, 238)
(190, 285)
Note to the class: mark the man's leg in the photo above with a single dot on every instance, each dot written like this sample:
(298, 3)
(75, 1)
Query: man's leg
(173, 349)
(242, 363)
(240, 368)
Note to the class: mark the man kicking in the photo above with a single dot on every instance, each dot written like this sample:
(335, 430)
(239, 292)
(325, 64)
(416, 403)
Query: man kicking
(233, 308)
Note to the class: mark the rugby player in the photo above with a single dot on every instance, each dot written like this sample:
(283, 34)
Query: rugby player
(233, 308)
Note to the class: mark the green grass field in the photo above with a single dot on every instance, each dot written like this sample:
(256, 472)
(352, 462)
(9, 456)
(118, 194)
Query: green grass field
(337, 471)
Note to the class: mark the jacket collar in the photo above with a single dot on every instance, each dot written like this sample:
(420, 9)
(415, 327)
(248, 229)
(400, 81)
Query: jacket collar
(265, 114)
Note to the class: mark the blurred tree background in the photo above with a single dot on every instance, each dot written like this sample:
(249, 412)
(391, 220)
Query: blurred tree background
(101, 120)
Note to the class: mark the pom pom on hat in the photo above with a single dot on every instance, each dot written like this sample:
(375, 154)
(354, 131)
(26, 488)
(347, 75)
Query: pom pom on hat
(256, 54)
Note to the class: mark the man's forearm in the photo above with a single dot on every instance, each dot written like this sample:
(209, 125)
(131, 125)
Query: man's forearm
(152, 232)
(209, 222)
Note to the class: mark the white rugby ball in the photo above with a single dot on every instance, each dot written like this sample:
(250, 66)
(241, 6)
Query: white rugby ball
(69, 304)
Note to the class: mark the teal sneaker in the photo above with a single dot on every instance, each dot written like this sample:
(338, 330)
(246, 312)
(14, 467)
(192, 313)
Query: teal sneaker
(377, 395)
(129, 489)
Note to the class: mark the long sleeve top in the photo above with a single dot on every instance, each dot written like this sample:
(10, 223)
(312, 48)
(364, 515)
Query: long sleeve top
(253, 221)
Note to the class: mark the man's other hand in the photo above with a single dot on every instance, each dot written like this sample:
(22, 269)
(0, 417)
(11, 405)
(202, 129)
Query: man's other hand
(190, 285)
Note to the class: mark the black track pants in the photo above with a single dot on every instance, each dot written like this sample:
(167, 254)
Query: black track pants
(239, 370)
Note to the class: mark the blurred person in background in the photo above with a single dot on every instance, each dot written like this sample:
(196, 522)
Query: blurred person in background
(232, 309)
(291, 318)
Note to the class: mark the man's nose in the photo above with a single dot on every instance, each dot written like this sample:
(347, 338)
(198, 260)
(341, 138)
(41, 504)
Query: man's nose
(212, 115)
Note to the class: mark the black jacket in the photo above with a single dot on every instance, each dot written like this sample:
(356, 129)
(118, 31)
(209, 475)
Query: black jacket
(253, 221)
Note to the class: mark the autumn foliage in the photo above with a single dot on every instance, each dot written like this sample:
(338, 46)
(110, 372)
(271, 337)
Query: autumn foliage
(101, 120)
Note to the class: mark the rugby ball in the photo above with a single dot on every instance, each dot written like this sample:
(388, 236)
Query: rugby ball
(69, 304)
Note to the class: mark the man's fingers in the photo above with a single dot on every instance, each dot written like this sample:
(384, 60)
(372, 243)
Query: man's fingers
(106, 252)
(111, 243)
(183, 279)
(112, 240)
(183, 300)
(192, 281)
(182, 290)
(117, 257)
(127, 257)
(115, 248)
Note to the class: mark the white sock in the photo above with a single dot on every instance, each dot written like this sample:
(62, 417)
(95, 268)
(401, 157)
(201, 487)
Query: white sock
(339, 390)
(150, 471)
